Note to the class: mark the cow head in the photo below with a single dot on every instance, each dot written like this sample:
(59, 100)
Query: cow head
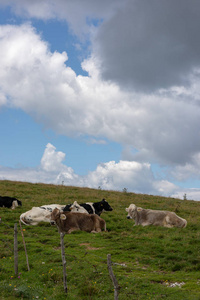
(67, 207)
(75, 207)
(105, 205)
(55, 215)
(34, 216)
(132, 211)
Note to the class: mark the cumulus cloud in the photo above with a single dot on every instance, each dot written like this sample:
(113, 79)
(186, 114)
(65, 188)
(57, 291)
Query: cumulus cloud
(162, 127)
(51, 160)
(139, 44)
(123, 175)
(130, 175)
(187, 194)
(51, 169)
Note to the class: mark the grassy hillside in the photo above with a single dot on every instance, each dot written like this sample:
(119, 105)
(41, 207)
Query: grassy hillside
(148, 262)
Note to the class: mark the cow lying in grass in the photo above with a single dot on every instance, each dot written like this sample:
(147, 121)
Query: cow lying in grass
(75, 207)
(39, 214)
(91, 208)
(146, 217)
(9, 202)
(71, 221)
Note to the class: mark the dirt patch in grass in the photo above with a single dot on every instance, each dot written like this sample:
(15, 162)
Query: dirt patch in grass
(88, 247)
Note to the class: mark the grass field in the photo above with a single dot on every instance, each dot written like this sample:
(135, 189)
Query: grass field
(148, 262)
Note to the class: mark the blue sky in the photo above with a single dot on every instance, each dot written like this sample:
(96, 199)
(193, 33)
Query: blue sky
(101, 94)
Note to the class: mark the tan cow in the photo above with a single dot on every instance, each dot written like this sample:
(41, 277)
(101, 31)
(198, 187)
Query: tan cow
(71, 221)
(146, 217)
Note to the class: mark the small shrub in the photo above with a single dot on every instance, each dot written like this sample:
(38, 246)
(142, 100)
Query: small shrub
(23, 291)
(88, 290)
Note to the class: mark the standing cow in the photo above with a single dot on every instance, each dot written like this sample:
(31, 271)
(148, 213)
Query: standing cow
(146, 217)
(71, 221)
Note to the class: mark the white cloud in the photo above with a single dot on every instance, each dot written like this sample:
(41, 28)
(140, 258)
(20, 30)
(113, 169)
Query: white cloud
(140, 44)
(51, 160)
(164, 187)
(51, 170)
(189, 194)
(130, 175)
(162, 127)
(134, 176)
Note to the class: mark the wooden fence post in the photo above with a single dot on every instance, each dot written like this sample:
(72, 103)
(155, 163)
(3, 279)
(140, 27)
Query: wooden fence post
(114, 280)
(63, 261)
(15, 250)
(24, 245)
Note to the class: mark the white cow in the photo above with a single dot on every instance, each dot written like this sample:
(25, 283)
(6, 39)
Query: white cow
(146, 217)
(39, 214)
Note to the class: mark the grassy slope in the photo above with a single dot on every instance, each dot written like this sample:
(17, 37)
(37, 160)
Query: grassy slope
(146, 259)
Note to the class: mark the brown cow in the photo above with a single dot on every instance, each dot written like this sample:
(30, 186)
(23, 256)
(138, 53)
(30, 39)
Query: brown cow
(146, 217)
(71, 221)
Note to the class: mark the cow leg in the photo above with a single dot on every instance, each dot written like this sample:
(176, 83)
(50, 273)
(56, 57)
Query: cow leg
(14, 204)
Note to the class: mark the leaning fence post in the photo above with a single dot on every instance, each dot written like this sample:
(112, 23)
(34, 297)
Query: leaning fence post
(63, 261)
(114, 280)
(24, 245)
(15, 250)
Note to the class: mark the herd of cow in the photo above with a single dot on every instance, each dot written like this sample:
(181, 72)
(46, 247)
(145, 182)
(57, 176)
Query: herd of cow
(86, 216)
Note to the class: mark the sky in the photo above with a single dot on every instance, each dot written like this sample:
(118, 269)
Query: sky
(101, 94)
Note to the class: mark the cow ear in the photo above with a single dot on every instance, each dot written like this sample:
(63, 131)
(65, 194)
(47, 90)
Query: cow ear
(63, 217)
(126, 209)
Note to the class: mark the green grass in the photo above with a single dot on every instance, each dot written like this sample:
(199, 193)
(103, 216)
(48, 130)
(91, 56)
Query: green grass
(146, 260)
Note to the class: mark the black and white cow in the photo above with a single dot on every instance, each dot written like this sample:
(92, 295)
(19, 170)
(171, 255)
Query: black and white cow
(92, 208)
(9, 202)
(75, 207)
(39, 214)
